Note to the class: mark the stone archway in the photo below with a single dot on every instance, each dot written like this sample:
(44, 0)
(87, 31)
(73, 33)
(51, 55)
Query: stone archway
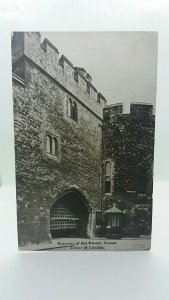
(70, 216)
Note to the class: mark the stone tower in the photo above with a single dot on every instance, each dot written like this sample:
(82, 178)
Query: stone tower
(128, 150)
(58, 117)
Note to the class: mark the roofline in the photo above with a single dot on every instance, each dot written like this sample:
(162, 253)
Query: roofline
(26, 58)
(63, 57)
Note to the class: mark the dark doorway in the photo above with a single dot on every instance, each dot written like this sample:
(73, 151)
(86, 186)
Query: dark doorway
(69, 216)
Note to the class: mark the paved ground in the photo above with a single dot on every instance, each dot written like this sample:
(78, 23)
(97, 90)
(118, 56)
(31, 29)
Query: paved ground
(137, 244)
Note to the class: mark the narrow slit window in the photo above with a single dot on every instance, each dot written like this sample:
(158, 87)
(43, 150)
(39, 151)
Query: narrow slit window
(69, 108)
(107, 168)
(49, 144)
(74, 111)
(88, 87)
(76, 76)
(54, 146)
(107, 185)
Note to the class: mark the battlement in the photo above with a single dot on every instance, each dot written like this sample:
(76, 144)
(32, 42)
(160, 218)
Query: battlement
(136, 109)
(27, 46)
(47, 42)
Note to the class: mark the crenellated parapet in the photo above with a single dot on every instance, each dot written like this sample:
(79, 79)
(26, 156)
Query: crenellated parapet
(137, 109)
(27, 47)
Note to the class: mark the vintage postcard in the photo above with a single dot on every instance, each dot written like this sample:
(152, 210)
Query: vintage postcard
(84, 121)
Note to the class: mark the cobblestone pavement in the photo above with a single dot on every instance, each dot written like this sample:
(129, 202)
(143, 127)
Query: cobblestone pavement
(137, 244)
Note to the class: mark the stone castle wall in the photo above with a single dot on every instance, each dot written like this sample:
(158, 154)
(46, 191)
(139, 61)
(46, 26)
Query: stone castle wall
(28, 47)
(43, 83)
(128, 145)
(128, 141)
(40, 107)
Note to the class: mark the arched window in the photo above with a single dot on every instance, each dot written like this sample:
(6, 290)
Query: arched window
(74, 111)
(107, 184)
(107, 168)
(49, 144)
(69, 108)
(54, 146)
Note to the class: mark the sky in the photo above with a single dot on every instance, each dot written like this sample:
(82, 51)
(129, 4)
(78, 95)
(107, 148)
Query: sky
(123, 65)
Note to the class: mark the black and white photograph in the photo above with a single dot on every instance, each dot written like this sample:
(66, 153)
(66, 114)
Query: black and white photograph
(84, 124)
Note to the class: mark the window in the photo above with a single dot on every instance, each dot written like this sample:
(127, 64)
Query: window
(107, 185)
(107, 172)
(52, 146)
(115, 221)
(76, 76)
(72, 111)
(49, 144)
(98, 98)
(107, 168)
(69, 108)
(88, 87)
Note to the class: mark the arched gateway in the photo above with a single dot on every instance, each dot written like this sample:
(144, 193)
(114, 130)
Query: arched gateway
(70, 216)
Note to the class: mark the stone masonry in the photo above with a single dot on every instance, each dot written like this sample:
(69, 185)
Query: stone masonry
(128, 146)
(72, 148)
(42, 85)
